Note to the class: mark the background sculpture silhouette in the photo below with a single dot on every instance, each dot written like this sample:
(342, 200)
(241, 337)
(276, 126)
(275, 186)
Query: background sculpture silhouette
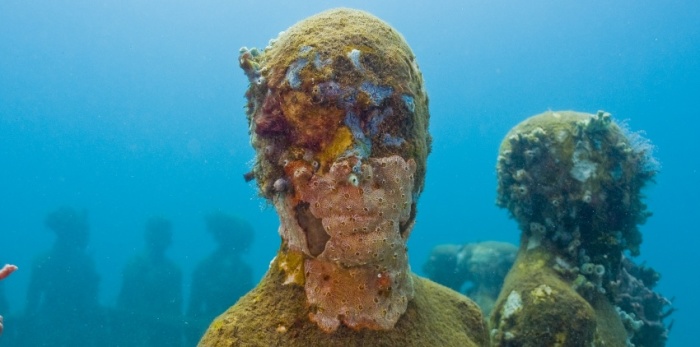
(150, 300)
(222, 277)
(63, 287)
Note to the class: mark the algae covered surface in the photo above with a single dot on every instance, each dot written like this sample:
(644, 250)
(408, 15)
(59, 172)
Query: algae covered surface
(538, 307)
(338, 117)
(275, 314)
(573, 183)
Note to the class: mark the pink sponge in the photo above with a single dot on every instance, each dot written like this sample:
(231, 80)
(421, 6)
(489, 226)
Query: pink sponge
(354, 219)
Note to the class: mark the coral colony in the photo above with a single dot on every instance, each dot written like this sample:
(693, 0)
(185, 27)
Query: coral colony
(573, 183)
(576, 184)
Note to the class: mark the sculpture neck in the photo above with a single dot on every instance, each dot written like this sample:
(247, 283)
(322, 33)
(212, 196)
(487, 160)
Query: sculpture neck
(362, 296)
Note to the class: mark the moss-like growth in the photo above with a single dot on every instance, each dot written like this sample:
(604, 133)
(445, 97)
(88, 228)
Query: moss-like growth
(540, 307)
(276, 314)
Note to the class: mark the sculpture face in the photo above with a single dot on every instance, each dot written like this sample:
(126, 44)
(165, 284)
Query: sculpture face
(356, 213)
(355, 218)
(338, 117)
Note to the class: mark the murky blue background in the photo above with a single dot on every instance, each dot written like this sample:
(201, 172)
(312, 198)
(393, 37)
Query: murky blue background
(135, 108)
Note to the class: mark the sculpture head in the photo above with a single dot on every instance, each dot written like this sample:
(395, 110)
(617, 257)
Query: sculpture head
(71, 227)
(158, 235)
(575, 179)
(338, 117)
(230, 232)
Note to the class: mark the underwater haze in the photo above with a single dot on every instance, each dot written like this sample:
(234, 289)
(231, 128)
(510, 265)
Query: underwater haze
(126, 110)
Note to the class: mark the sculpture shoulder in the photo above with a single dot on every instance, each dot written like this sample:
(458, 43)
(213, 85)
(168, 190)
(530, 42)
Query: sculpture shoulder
(536, 296)
(273, 314)
(447, 315)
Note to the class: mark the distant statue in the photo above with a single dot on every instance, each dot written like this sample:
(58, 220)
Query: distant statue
(150, 301)
(62, 298)
(222, 277)
(573, 182)
(480, 267)
(4, 272)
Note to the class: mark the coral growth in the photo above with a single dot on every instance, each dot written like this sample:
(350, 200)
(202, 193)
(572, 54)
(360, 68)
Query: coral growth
(573, 182)
(309, 90)
(537, 307)
(340, 127)
(367, 229)
(642, 309)
(338, 117)
(354, 220)
(579, 178)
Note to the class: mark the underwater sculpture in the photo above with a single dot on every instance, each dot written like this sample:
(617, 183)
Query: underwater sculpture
(573, 183)
(149, 303)
(220, 279)
(339, 120)
(63, 290)
(481, 266)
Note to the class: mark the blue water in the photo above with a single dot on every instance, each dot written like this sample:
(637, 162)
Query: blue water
(135, 108)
